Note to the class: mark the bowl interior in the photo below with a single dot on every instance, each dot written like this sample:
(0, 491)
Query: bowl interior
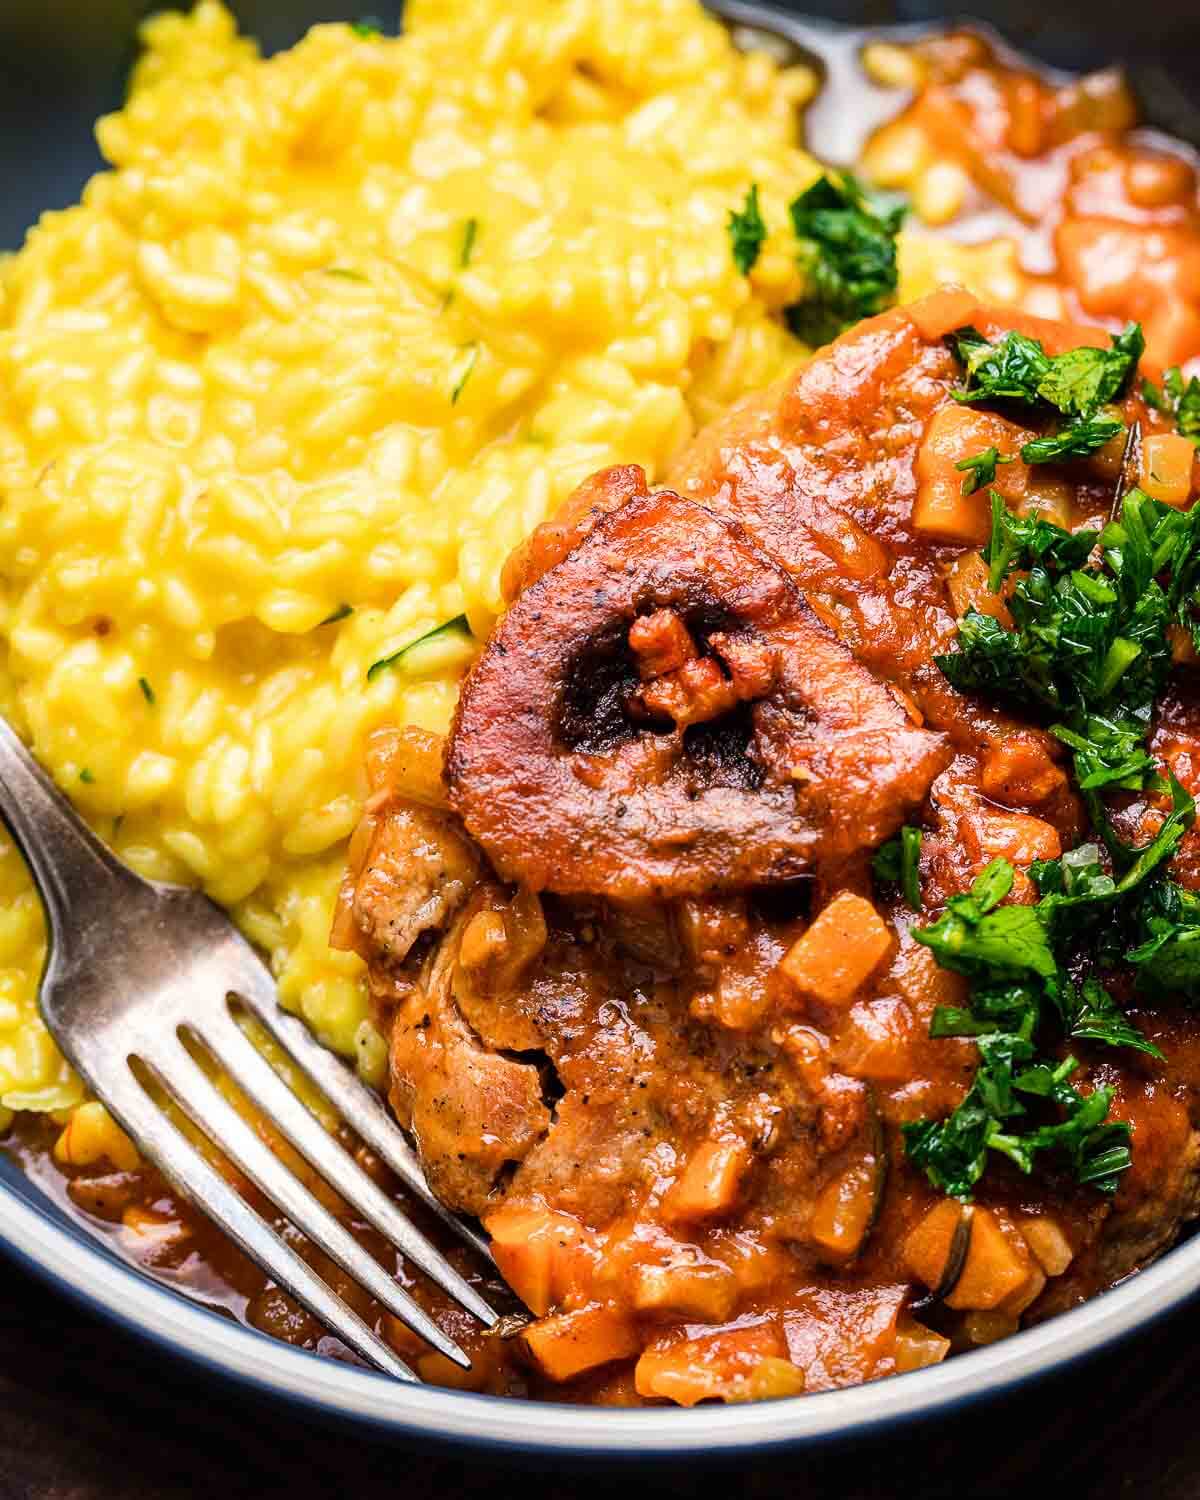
(64, 62)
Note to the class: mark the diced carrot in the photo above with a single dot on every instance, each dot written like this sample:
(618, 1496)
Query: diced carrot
(840, 951)
(436, 1369)
(407, 760)
(1018, 771)
(987, 1326)
(719, 1365)
(846, 1208)
(843, 1334)
(710, 1182)
(1050, 1246)
(546, 1257)
(707, 1290)
(998, 1264)
(569, 1343)
(1049, 499)
(918, 1347)
(943, 311)
(1024, 1296)
(969, 587)
(956, 432)
(1167, 459)
(771, 1380)
(936, 1242)
(942, 511)
(1019, 837)
(877, 1039)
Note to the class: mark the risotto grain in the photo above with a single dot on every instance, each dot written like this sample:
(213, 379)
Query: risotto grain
(334, 333)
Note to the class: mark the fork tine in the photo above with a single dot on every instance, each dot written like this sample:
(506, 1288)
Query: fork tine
(182, 1165)
(246, 1065)
(358, 1105)
(187, 1083)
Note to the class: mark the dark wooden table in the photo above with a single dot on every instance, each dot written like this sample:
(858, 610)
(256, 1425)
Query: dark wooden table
(87, 1414)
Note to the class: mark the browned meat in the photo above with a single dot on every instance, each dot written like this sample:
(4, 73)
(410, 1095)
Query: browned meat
(824, 470)
(409, 873)
(641, 1086)
(661, 713)
(552, 540)
(472, 1109)
(674, 1084)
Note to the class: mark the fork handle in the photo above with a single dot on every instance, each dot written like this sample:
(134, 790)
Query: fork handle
(70, 864)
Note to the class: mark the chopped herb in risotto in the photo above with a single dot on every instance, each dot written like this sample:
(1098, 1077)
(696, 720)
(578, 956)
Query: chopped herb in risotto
(688, 676)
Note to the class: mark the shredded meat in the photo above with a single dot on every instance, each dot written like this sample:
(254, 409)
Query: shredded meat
(414, 870)
(472, 1109)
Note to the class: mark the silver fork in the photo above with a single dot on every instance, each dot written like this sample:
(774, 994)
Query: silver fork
(136, 966)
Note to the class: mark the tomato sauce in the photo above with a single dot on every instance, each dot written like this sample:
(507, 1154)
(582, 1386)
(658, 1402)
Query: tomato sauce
(675, 1299)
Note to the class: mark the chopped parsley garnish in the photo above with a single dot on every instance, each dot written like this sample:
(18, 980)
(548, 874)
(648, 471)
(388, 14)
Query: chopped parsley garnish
(1089, 640)
(1178, 399)
(1020, 992)
(340, 613)
(464, 372)
(86, 777)
(1017, 368)
(954, 1152)
(368, 26)
(847, 251)
(1077, 439)
(470, 232)
(747, 232)
(457, 626)
(978, 937)
(1089, 652)
(898, 862)
(1029, 539)
(1167, 957)
(1075, 385)
(980, 468)
(1090, 1013)
(147, 691)
(345, 273)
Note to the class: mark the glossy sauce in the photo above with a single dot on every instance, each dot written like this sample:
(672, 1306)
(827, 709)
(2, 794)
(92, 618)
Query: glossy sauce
(1110, 227)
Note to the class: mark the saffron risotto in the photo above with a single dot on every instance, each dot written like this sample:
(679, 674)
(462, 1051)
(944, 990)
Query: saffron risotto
(336, 330)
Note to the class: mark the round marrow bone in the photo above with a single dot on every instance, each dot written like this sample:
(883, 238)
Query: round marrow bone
(662, 714)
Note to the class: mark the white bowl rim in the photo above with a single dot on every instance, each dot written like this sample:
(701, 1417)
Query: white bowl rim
(76, 1265)
(73, 1262)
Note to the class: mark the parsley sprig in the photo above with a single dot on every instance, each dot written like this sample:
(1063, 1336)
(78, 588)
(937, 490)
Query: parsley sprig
(898, 862)
(980, 468)
(845, 247)
(1089, 651)
(747, 232)
(1076, 385)
(1021, 998)
(1177, 398)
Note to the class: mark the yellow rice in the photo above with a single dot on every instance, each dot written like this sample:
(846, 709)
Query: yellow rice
(267, 370)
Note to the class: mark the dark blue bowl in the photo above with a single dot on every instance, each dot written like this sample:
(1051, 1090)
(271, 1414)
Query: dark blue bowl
(62, 63)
